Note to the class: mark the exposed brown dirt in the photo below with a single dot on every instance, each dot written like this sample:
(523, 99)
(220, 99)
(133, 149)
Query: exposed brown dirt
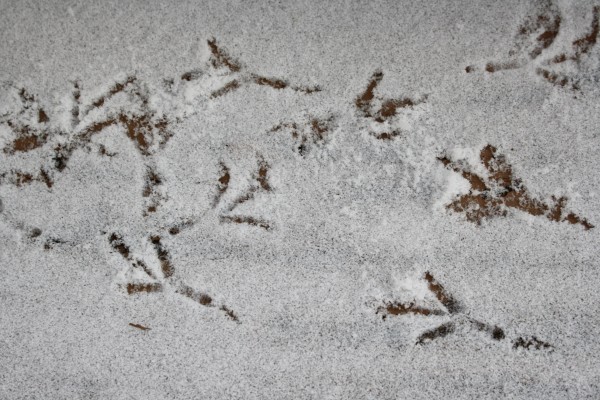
(229, 313)
(27, 138)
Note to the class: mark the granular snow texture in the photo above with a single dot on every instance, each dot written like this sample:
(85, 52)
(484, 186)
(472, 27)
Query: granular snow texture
(299, 200)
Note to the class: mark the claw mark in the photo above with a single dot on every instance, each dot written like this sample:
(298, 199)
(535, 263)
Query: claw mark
(532, 342)
(363, 102)
(388, 108)
(495, 67)
(27, 139)
(138, 326)
(76, 104)
(492, 195)
(281, 84)
(229, 313)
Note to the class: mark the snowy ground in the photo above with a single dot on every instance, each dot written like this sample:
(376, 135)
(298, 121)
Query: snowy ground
(299, 200)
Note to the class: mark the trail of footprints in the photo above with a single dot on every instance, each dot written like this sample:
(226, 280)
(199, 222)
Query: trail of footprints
(449, 307)
(149, 131)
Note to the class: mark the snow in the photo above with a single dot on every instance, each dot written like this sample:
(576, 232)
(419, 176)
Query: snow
(273, 213)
